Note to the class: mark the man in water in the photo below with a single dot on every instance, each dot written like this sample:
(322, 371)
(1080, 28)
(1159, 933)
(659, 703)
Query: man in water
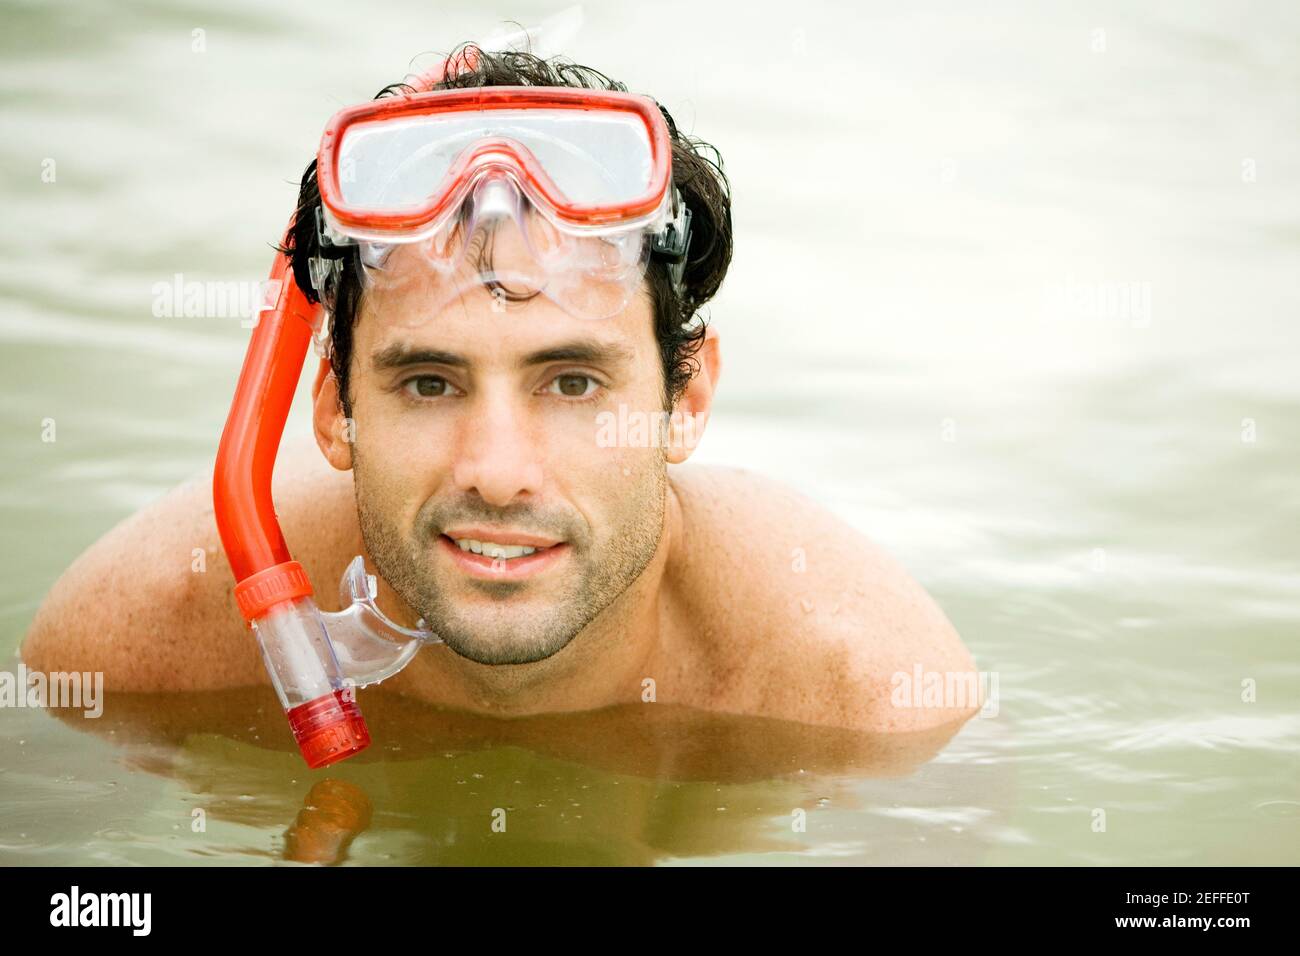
(484, 464)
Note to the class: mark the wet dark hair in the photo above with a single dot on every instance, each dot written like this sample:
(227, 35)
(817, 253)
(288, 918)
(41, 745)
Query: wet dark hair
(697, 173)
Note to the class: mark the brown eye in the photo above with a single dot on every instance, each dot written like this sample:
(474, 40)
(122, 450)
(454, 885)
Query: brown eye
(429, 386)
(575, 386)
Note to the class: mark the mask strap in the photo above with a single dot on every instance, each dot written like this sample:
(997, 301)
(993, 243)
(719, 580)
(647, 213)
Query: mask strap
(331, 248)
(673, 243)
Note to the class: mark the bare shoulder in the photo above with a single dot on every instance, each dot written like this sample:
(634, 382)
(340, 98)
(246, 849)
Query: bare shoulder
(798, 615)
(151, 603)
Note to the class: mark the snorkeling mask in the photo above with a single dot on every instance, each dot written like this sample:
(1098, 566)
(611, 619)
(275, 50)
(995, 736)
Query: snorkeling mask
(570, 188)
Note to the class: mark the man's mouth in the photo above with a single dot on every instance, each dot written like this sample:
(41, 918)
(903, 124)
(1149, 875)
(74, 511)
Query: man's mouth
(496, 555)
(493, 549)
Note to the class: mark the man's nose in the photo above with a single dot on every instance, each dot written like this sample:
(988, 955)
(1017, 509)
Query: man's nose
(498, 452)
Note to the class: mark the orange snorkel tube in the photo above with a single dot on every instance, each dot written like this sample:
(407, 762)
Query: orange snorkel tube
(273, 592)
(245, 513)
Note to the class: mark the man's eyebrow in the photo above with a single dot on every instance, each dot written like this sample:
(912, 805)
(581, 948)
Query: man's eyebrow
(582, 350)
(398, 355)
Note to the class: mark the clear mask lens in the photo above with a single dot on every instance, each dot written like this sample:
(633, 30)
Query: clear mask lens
(502, 247)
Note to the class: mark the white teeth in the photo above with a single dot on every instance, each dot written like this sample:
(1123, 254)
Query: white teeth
(493, 550)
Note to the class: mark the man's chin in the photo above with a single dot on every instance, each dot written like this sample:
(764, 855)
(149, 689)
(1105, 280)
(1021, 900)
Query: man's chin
(505, 648)
(500, 623)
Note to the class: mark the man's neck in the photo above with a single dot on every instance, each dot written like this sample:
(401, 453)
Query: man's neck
(603, 665)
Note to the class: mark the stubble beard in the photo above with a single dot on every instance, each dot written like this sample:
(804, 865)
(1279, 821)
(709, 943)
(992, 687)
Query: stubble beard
(512, 632)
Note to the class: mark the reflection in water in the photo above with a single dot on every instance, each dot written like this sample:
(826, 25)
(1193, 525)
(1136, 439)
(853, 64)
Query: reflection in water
(335, 812)
(626, 785)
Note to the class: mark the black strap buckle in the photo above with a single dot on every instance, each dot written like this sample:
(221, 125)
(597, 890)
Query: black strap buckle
(673, 243)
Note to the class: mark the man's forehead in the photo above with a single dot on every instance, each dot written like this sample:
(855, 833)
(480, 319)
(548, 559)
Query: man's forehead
(525, 338)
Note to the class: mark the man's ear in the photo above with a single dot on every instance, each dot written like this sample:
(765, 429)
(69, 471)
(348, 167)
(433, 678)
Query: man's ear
(691, 413)
(334, 432)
